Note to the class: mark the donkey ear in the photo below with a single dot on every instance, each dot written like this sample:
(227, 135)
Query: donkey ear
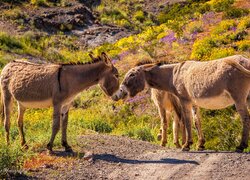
(106, 59)
(148, 68)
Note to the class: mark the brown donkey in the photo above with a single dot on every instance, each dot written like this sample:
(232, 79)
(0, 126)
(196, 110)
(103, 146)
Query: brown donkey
(213, 85)
(166, 104)
(43, 85)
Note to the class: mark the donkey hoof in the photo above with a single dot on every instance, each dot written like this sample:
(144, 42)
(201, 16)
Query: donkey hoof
(68, 149)
(239, 149)
(177, 145)
(49, 152)
(163, 144)
(185, 149)
(49, 147)
(159, 137)
(201, 148)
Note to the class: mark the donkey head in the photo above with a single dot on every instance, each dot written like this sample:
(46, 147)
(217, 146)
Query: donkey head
(133, 83)
(109, 81)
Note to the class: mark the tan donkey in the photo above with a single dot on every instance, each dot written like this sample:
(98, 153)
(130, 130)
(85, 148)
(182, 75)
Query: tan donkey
(212, 85)
(168, 104)
(43, 85)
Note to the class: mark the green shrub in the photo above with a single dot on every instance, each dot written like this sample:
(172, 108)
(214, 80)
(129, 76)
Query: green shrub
(243, 45)
(244, 23)
(202, 48)
(144, 134)
(220, 5)
(235, 12)
(11, 158)
(224, 26)
(139, 16)
(39, 2)
(195, 27)
(8, 42)
(15, 14)
(222, 131)
(221, 52)
(99, 126)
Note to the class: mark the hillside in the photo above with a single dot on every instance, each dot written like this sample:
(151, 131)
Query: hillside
(129, 31)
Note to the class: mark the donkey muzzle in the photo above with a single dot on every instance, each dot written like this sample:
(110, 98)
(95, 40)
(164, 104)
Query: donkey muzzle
(120, 94)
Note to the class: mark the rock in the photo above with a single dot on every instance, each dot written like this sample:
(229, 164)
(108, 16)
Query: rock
(63, 19)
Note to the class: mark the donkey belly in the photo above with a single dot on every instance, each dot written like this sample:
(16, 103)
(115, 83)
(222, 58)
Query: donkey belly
(37, 104)
(216, 102)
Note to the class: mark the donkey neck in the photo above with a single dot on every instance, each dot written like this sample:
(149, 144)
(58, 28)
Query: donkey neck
(160, 77)
(75, 78)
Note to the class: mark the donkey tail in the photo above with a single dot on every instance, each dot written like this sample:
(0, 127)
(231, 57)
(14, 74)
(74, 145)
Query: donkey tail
(1, 107)
(176, 105)
(238, 66)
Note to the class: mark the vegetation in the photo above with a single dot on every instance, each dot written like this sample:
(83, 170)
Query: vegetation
(201, 30)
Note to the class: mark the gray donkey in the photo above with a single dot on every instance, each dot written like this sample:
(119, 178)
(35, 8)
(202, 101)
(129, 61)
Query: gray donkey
(42, 85)
(213, 85)
(166, 104)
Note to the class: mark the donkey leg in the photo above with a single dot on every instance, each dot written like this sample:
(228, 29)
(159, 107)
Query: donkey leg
(176, 131)
(183, 132)
(55, 126)
(64, 125)
(7, 106)
(164, 124)
(197, 122)
(21, 111)
(244, 114)
(187, 123)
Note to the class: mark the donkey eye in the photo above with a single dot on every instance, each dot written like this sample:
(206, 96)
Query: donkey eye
(131, 75)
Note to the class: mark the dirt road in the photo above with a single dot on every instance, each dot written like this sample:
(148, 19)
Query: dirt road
(122, 158)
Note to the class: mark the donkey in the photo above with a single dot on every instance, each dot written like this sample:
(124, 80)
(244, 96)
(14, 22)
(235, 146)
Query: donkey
(213, 85)
(43, 85)
(166, 104)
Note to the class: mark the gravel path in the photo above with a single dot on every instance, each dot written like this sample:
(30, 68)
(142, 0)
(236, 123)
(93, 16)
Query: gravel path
(114, 157)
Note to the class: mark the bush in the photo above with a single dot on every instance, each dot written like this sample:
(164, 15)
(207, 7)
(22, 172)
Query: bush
(39, 2)
(202, 48)
(235, 12)
(15, 14)
(221, 129)
(243, 45)
(99, 126)
(195, 27)
(220, 5)
(139, 16)
(144, 134)
(8, 42)
(224, 26)
(11, 159)
(221, 52)
(244, 23)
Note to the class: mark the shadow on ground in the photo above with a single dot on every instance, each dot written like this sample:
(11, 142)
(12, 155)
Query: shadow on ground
(115, 159)
(66, 154)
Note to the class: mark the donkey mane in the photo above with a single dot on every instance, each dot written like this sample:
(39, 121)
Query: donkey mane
(95, 60)
(157, 63)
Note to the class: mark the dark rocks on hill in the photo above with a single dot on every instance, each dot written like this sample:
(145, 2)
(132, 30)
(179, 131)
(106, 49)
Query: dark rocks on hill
(63, 19)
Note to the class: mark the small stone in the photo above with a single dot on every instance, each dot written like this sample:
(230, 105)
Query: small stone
(88, 156)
